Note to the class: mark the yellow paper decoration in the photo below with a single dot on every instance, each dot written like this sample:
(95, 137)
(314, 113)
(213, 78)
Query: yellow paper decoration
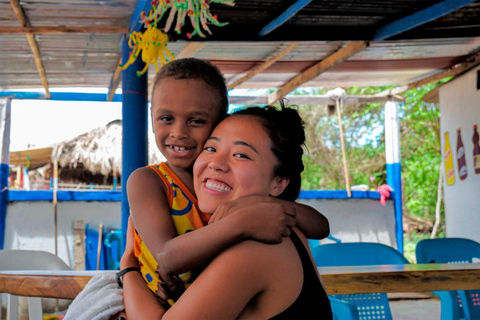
(153, 45)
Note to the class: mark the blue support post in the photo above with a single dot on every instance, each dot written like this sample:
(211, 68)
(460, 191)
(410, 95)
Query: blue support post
(5, 108)
(394, 168)
(135, 127)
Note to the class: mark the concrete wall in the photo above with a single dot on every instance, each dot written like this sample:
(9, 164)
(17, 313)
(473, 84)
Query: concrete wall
(30, 224)
(358, 220)
(460, 108)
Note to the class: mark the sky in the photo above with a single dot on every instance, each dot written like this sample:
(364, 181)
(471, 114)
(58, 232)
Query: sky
(41, 123)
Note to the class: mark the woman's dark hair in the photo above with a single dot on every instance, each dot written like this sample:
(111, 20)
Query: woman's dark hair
(193, 68)
(286, 130)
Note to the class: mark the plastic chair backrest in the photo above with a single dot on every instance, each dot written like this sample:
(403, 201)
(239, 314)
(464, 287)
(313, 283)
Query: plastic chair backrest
(113, 246)
(28, 260)
(356, 254)
(454, 304)
(370, 306)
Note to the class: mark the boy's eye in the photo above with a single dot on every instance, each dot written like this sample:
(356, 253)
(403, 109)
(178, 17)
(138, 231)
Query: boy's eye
(165, 118)
(211, 149)
(198, 121)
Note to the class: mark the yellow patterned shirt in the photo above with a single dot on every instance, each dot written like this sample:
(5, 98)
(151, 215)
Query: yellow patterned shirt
(186, 217)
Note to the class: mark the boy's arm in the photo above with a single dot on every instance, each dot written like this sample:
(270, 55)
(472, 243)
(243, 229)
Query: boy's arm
(177, 254)
(311, 222)
(139, 301)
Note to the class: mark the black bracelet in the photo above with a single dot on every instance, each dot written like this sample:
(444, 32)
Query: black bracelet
(120, 274)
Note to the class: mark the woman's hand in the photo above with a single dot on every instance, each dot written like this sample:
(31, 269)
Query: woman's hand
(262, 218)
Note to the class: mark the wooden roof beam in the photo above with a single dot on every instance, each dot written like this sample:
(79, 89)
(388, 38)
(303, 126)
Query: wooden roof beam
(454, 71)
(264, 65)
(331, 61)
(23, 19)
(62, 29)
(190, 50)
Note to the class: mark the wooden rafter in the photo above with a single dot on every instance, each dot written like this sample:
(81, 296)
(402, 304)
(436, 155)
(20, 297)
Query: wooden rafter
(190, 50)
(453, 71)
(313, 100)
(331, 61)
(115, 80)
(23, 19)
(63, 29)
(264, 65)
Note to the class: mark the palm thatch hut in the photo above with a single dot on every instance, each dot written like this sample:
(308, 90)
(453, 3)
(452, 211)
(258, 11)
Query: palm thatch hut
(95, 156)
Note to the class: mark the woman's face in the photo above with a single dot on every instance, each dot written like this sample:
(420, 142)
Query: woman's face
(237, 161)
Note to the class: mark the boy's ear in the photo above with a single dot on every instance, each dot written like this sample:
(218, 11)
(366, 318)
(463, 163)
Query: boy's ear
(279, 185)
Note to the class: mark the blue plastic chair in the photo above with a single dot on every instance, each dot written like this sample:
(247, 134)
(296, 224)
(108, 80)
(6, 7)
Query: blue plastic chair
(371, 306)
(454, 304)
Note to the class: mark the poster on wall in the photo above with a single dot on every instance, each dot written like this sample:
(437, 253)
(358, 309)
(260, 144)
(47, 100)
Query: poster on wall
(476, 150)
(448, 161)
(461, 162)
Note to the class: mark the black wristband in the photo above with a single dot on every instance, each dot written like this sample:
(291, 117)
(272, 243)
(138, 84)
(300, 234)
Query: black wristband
(120, 274)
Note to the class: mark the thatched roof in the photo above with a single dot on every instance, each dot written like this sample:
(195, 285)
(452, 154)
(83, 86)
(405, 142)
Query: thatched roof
(98, 151)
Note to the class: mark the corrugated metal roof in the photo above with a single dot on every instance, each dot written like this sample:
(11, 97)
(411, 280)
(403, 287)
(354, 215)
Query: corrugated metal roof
(86, 59)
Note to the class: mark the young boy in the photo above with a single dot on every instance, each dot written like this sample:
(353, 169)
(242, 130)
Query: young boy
(189, 99)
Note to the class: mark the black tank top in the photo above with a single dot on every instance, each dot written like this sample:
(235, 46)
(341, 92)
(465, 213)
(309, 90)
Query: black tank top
(313, 302)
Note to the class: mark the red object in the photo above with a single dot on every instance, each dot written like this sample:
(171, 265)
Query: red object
(384, 191)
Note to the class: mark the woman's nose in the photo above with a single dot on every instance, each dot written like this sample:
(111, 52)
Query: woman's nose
(218, 162)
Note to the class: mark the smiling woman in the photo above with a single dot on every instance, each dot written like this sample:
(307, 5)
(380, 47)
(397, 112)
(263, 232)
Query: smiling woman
(250, 153)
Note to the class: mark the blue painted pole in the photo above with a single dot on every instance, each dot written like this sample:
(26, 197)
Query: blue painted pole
(284, 17)
(420, 17)
(394, 168)
(135, 127)
(5, 110)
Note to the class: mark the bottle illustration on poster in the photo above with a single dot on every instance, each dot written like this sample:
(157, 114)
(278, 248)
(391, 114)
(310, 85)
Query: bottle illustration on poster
(461, 161)
(476, 150)
(448, 162)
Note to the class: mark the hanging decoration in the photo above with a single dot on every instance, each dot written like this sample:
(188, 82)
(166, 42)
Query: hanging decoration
(197, 11)
(152, 43)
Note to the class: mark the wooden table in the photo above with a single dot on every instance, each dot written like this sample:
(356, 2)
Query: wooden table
(401, 278)
(337, 280)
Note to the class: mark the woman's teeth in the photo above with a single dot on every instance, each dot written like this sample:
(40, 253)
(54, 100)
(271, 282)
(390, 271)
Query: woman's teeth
(217, 187)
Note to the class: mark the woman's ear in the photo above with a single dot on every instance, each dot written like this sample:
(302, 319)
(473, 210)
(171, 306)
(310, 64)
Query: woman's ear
(279, 185)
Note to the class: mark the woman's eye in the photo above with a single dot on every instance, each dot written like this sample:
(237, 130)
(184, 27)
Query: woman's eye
(241, 155)
(211, 149)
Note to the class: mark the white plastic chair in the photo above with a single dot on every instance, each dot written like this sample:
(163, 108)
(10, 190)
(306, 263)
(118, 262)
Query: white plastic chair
(28, 260)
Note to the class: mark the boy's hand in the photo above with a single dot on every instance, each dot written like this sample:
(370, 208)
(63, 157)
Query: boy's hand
(262, 218)
(171, 287)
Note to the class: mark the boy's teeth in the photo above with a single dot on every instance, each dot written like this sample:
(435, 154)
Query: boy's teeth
(180, 148)
(216, 187)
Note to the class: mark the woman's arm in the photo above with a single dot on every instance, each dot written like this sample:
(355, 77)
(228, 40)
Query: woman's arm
(248, 280)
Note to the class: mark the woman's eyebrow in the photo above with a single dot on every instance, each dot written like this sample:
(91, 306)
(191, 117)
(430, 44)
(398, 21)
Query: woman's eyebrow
(243, 143)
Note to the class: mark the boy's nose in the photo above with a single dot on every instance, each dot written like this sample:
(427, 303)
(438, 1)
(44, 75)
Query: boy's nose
(179, 132)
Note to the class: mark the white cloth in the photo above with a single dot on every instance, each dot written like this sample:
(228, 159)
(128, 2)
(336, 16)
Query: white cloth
(100, 299)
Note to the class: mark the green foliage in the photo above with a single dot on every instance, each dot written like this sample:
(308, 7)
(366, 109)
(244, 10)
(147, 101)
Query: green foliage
(363, 127)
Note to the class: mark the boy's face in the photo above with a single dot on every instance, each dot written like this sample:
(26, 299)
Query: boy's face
(184, 113)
